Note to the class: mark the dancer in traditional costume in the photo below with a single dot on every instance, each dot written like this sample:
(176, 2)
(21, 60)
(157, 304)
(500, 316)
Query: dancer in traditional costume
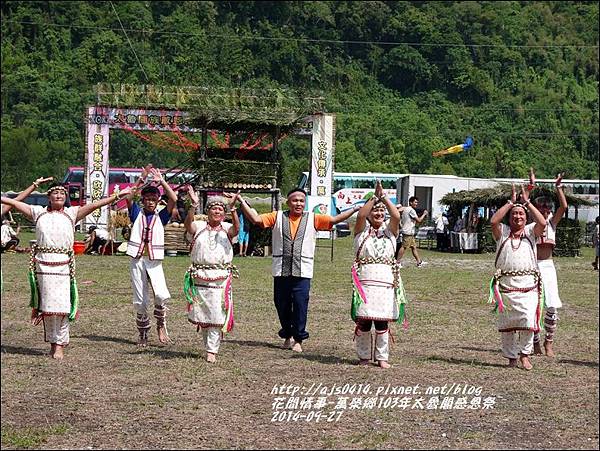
(545, 246)
(208, 280)
(294, 239)
(378, 295)
(54, 297)
(146, 249)
(516, 287)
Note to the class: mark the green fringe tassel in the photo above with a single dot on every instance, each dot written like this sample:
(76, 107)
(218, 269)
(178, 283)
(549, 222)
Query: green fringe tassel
(492, 296)
(542, 306)
(34, 302)
(74, 300)
(402, 313)
(356, 302)
(189, 288)
(401, 301)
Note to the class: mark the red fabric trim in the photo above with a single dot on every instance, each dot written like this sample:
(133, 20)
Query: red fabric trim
(41, 262)
(149, 237)
(372, 318)
(514, 329)
(203, 325)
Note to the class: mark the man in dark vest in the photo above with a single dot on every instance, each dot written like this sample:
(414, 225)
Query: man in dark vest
(294, 239)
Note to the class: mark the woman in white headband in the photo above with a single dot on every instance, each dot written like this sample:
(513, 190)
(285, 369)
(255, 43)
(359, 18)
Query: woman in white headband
(54, 297)
(516, 287)
(208, 280)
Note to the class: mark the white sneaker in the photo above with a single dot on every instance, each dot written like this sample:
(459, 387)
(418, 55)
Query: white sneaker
(422, 263)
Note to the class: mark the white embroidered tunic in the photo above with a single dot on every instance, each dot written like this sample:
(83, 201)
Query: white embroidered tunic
(211, 255)
(518, 280)
(375, 256)
(54, 230)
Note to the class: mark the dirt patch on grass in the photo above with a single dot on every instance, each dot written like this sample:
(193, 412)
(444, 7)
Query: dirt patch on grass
(107, 393)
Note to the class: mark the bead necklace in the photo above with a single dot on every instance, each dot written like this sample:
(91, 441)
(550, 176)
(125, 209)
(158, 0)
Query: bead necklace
(212, 236)
(512, 237)
(378, 243)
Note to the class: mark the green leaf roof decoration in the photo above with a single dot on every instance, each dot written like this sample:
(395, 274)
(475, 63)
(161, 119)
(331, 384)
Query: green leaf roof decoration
(498, 195)
(226, 107)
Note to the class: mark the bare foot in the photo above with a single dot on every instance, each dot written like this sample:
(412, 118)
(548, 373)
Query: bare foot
(548, 348)
(163, 336)
(52, 349)
(58, 352)
(383, 364)
(537, 349)
(512, 363)
(210, 357)
(526, 363)
(363, 362)
(297, 347)
(142, 342)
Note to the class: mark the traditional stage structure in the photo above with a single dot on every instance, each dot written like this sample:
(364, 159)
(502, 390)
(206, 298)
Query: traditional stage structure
(239, 129)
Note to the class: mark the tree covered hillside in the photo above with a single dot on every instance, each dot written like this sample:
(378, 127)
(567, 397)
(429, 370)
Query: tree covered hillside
(404, 78)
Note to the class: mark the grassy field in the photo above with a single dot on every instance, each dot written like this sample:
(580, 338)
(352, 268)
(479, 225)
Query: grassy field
(107, 393)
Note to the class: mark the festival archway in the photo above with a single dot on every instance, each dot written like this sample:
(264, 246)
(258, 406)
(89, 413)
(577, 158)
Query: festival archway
(239, 135)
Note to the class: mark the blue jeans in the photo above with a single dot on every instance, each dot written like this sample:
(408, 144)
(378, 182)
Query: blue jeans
(291, 300)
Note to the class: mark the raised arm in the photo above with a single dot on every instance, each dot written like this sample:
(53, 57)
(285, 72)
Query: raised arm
(171, 195)
(22, 207)
(538, 218)
(363, 214)
(31, 188)
(233, 231)
(394, 224)
(496, 219)
(365, 210)
(89, 208)
(27, 191)
(190, 227)
(531, 184)
(421, 218)
(249, 212)
(562, 201)
(344, 215)
(138, 185)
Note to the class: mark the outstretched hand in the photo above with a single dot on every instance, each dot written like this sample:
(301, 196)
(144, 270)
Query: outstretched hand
(559, 178)
(192, 194)
(513, 194)
(156, 175)
(378, 189)
(524, 194)
(531, 180)
(234, 198)
(124, 192)
(145, 171)
(41, 180)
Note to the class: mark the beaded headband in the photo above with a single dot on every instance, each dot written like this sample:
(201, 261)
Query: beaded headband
(520, 206)
(215, 201)
(56, 188)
